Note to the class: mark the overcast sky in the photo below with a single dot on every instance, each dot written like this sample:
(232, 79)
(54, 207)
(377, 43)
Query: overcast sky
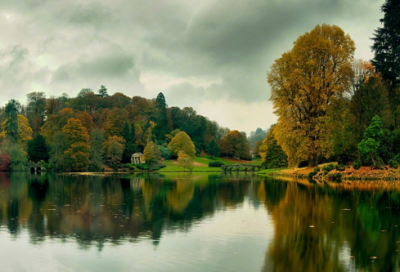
(212, 55)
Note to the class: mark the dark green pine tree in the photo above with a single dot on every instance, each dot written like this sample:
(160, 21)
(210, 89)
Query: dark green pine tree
(11, 125)
(161, 129)
(275, 157)
(38, 149)
(212, 148)
(103, 91)
(130, 146)
(386, 45)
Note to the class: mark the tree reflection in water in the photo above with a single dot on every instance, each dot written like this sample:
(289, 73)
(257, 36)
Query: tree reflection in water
(316, 228)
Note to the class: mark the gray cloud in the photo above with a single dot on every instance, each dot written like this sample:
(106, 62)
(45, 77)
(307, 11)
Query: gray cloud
(202, 51)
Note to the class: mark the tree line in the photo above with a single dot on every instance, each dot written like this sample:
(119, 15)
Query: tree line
(85, 132)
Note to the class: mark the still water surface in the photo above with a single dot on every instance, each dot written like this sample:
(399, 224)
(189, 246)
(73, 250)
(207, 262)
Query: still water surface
(193, 223)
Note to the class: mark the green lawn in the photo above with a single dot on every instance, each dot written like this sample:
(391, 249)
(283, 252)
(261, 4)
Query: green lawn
(173, 167)
(269, 171)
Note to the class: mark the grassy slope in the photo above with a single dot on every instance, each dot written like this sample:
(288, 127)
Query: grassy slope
(201, 164)
(269, 171)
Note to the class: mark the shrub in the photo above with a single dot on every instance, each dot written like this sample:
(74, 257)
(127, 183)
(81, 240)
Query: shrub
(393, 164)
(165, 153)
(357, 164)
(146, 167)
(327, 168)
(215, 164)
(313, 173)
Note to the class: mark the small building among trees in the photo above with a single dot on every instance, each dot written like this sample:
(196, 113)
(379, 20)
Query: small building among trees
(137, 158)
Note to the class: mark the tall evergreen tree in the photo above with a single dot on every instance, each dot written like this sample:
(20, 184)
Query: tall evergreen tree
(387, 45)
(11, 125)
(161, 129)
(103, 91)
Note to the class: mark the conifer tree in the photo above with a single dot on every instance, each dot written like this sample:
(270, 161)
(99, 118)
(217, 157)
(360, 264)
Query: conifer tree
(38, 149)
(161, 129)
(130, 146)
(387, 46)
(11, 125)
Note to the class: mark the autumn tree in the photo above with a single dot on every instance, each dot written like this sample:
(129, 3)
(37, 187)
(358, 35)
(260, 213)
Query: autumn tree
(235, 144)
(113, 148)
(24, 131)
(182, 142)
(5, 162)
(213, 148)
(151, 153)
(372, 139)
(304, 82)
(185, 161)
(115, 122)
(17, 155)
(38, 149)
(77, 155)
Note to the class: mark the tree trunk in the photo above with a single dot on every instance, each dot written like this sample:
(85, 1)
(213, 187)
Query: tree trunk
(312, 161)
(372, 158)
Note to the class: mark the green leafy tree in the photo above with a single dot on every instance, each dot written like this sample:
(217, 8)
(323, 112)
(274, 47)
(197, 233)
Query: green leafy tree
(96, 150)
(182, 142)
(212, 148)
(38, 149)
(372, 139)
(58, 146)
(17, 155)
(11, 124)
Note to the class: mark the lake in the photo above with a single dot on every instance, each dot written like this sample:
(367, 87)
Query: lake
(198, 222)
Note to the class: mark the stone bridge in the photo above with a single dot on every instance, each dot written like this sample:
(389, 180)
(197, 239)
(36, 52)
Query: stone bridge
(35, 167)
(237, 167)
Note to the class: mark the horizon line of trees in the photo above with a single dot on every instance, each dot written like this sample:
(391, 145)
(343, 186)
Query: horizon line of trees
(90, 130)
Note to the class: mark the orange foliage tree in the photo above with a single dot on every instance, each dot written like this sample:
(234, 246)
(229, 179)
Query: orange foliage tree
(234, 144)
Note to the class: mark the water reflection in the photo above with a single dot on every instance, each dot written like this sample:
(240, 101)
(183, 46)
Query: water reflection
(95, 209)
(313, 228)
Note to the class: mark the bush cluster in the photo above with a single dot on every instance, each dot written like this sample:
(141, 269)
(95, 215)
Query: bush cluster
(215, 164)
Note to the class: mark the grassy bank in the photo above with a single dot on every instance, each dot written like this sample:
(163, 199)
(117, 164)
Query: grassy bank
(201, 164)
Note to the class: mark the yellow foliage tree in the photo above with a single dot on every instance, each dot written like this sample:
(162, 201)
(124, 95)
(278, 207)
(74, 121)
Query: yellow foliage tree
(24, 131)
(185, 161)
(77, 155)
(305, 82)
(151, 153)
(113, 149)
(182, 142)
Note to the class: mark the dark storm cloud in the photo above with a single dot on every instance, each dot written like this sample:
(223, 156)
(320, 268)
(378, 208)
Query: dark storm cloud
(204, 50)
